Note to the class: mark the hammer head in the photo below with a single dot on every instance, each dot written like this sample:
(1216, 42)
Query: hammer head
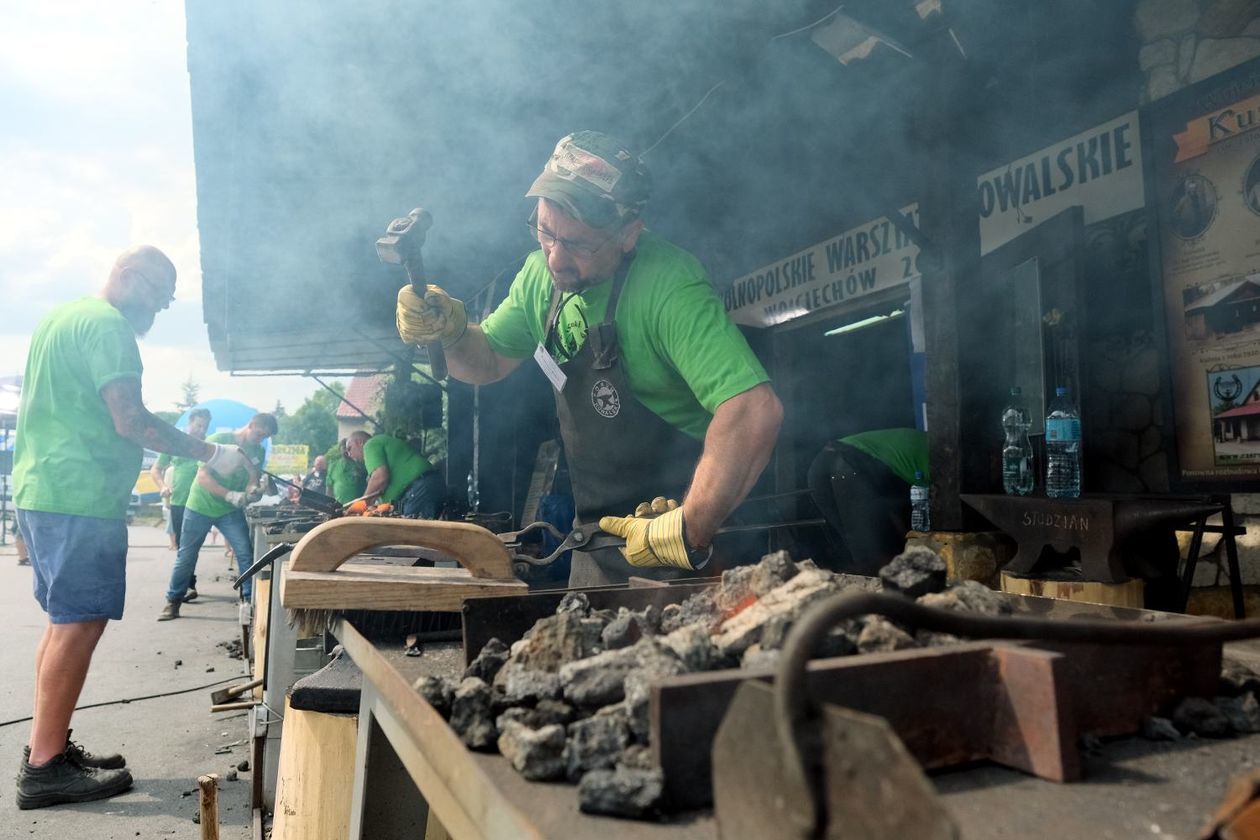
(404, 237)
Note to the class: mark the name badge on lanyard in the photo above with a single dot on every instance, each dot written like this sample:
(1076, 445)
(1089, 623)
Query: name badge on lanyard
(550, 369)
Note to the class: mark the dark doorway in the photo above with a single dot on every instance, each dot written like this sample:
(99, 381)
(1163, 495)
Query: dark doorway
(838, 384)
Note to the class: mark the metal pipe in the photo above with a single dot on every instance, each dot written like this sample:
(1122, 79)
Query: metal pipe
(801, 749)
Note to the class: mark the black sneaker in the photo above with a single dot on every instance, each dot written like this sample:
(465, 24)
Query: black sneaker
(83, 758)
(190, 594)
(63, 780)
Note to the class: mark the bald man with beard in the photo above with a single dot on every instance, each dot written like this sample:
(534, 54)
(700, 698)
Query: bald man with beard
(82, 430)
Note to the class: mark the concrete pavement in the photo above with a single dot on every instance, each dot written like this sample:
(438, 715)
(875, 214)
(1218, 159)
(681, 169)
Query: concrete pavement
(168, 741)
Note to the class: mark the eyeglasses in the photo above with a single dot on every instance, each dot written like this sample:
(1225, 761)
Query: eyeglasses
(578, 249)
(159, 288)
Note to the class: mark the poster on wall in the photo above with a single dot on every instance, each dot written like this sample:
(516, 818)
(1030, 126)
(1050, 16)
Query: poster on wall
(1205, 193)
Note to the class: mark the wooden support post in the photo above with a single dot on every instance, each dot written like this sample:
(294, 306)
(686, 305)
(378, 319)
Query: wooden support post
(208, 789)
(948, 222)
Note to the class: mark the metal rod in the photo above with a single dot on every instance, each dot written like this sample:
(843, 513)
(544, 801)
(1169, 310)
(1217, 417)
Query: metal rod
(403, 360)
(908, 229)
(801, 752)
(342, 397)
(761, 526)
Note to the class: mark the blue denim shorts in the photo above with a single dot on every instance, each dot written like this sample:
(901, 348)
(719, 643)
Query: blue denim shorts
(80, 564)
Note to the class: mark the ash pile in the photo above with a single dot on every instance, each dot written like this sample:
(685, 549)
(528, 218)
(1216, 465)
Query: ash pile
(569, 701)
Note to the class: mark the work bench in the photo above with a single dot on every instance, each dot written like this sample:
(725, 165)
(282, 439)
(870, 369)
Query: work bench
(276, 651)
(412, 771)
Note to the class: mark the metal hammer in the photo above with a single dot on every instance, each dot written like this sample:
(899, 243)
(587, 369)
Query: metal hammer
(401, 245)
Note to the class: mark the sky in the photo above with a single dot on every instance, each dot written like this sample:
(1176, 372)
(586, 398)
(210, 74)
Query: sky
(96, 156)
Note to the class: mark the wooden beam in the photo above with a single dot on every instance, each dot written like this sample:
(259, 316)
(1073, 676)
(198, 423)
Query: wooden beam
(948, 219)
(390, 588)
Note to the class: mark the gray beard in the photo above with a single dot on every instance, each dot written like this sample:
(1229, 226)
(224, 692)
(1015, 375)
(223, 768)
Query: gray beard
(140, 318)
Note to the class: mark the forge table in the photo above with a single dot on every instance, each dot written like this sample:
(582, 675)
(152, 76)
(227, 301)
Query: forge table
(412, 771)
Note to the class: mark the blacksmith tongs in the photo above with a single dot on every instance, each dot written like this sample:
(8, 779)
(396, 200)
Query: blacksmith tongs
(583, 537)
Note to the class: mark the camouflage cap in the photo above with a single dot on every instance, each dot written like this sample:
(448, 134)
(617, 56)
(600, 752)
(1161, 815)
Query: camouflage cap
(595, 179)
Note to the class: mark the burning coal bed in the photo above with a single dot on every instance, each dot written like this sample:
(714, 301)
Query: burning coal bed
(570, 700)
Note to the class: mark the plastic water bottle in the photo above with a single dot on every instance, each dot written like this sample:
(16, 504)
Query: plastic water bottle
(1063, 447)
(1017, 453)
(920, 519)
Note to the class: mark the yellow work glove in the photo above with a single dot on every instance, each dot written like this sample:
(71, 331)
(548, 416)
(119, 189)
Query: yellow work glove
(435, 317)
(655, 535)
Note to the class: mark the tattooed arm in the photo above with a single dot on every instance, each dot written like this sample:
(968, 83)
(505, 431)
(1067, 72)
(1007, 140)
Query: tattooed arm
(138, 425)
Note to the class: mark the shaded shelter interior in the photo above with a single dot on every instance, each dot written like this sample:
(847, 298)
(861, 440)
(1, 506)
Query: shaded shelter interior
(313, 130)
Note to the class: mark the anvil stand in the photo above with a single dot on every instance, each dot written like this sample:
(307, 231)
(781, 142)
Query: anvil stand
(1095, 524)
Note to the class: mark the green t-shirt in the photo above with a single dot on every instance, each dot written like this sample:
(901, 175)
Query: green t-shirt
(203, 501)
(182, 476)
(68, 458)
(682, 355)
(405, 464)
(346, 479)
(903, 451)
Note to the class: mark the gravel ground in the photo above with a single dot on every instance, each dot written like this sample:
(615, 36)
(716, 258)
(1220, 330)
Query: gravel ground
(168, 741)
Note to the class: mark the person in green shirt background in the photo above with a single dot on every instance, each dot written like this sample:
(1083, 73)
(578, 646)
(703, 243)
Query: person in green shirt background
(217, 500)
(861, 484)
(346, 477)
(183, 473)
(398, 474)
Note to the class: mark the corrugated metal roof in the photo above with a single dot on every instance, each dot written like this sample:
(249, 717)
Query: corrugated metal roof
(315, 124)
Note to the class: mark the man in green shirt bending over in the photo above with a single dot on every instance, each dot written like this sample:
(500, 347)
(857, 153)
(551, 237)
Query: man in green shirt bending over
(346, 479)
(217, 500)
(656, 390)
(397, 474)
(861, 483)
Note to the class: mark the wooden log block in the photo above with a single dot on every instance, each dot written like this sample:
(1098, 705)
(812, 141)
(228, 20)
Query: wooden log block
(1127, 594)
(208, 794)
(316, 775)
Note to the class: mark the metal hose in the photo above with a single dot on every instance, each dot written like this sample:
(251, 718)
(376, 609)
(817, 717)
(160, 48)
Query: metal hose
(802, 753)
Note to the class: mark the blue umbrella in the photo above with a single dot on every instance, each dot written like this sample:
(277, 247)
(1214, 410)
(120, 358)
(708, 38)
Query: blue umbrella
(225, 415)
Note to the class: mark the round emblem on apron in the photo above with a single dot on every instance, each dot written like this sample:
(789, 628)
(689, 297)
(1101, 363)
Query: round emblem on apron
(605, 399)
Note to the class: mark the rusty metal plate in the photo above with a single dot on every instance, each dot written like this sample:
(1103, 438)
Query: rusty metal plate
(874, 789)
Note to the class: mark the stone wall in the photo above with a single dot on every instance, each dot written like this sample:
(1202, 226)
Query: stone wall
(1122, 389)
(1186, 41)
(1183, 42)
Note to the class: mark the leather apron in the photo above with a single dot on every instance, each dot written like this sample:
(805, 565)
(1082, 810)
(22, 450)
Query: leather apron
(619, 452)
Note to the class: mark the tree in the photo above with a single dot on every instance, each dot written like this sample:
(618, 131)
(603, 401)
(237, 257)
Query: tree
(414, 409)
(191, 392)
(314, 423)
